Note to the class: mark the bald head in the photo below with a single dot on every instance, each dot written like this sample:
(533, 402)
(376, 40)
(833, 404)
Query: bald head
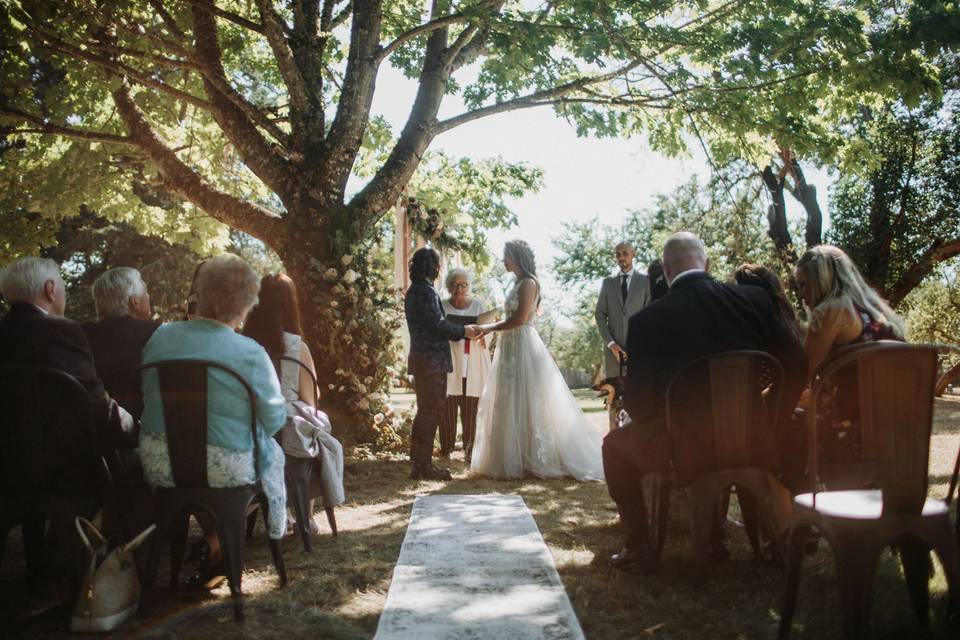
(681, 252)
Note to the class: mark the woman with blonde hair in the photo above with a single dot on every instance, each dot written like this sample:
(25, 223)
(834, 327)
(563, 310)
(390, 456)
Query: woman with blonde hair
(842, 310)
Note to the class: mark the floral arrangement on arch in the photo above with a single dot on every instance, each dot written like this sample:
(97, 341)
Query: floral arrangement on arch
(428, 223)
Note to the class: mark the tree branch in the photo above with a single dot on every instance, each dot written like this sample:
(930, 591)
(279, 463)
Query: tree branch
(274, 30)
(262, 157)
(939, 251)
(167, 18)
(235, 212)
(353, 110)
(44, 127)
(341, 17)
(231, 17)
(535, 97)
(423, 29)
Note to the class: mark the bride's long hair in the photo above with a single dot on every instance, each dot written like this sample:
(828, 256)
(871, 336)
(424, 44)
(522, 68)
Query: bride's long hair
(522, 256)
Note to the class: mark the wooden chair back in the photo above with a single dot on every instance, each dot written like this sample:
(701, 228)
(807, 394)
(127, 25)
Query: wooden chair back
(718, 415)
(895, 383)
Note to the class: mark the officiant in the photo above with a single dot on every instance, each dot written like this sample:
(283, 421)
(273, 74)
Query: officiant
(471, 363)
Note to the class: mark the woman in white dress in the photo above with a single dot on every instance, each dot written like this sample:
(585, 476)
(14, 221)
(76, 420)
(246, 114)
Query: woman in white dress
(528, 422)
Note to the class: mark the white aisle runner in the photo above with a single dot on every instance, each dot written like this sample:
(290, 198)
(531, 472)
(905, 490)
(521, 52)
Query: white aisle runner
(475, 567)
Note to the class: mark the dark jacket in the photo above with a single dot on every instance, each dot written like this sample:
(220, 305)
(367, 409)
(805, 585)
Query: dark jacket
(66, 458)
(116, 344)
(430, 331)
(30, 336)
(699, 317)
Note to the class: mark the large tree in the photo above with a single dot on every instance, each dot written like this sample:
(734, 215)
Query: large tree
(253, 114)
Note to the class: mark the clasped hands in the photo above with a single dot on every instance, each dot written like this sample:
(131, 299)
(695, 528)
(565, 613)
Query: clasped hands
(475, 331)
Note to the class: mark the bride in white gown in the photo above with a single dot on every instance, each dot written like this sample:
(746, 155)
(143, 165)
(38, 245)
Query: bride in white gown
(528, 422)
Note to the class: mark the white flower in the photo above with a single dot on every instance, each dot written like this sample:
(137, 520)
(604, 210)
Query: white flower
(368, 379)
(373, 396)
(330, 274)
(340, 372)
(377, 419)
(363, 405)
(346, 259)
(350, 276)
(341, 388)
(331, 387)
(334, 304)
(387, 409)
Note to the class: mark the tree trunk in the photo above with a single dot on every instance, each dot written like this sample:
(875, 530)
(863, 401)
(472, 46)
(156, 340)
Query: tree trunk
(348, 315)
(946, 379)
(777, 218)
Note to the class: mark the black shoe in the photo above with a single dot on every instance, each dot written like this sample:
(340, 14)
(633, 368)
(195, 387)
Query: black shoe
(429, 472)
(635, 558)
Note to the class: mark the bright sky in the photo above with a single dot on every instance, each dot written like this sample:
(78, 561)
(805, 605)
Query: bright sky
(583, 177)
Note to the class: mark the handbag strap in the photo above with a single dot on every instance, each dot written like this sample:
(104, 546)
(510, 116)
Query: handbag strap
(82, 523)
(136, 542)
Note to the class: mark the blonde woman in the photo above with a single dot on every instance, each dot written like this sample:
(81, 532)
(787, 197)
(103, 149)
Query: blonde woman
(842, 309)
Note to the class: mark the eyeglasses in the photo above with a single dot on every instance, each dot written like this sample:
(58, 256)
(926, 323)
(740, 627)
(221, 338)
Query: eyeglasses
(459, 285)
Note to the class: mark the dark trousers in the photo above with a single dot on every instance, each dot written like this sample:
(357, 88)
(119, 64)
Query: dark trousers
(467, 406)
(629, 453)
(431, 390)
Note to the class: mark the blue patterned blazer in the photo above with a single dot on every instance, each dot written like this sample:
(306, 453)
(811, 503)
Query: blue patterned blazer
(430, 331)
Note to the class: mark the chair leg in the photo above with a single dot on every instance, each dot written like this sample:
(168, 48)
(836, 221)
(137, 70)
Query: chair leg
(749, 509)
(274, 544)
(155, 546)
(332, 519)
(251, 523)
(855, 570)
(659, 512)
(32, 528)
(797, 537)
(179, 529)
(915, 558)
(703, 508)
(231, 532)
(949, 555)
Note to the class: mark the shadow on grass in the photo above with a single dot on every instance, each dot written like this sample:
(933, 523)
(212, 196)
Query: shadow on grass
(339, 590)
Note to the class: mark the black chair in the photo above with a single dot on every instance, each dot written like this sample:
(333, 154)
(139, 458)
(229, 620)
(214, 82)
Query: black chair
(183, 391)
(896, 382)
(297, 473)
(51, 464)
(722, 431)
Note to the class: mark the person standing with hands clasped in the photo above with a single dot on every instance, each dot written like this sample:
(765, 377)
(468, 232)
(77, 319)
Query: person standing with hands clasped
(429, 361)
(621, 296)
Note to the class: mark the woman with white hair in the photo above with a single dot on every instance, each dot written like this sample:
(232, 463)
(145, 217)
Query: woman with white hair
(471, 364)
(528, 422)
(227, 289)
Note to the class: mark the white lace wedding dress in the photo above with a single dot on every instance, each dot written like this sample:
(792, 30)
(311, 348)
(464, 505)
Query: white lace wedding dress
(528, 422)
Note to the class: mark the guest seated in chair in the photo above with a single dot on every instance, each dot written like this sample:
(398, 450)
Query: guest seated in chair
(275, 324)
(118, 336)
(226, 291)
(842, 310)
(698, 317)
(35, 332)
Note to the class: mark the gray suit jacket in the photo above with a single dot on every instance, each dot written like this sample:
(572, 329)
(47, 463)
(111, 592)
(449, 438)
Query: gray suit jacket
(613, 315)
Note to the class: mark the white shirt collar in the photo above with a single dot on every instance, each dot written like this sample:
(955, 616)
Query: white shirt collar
(629, 274)
(45, 312)
(686, 273)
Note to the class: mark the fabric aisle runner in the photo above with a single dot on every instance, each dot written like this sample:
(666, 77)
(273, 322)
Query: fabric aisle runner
(475, 566)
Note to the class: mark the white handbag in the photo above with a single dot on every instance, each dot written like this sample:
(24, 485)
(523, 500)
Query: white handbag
(110, 592)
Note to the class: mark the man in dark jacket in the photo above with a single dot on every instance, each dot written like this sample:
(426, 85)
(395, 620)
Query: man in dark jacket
(117, 338)
(429, 361)
(698, 317)
(34, 332)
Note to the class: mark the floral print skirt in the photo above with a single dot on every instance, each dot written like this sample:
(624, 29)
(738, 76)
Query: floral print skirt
(225, 468)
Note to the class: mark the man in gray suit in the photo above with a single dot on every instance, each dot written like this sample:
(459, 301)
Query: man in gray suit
(621, 296)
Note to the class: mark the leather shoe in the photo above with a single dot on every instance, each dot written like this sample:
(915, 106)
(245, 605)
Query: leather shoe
(629, 558)
(429, 472)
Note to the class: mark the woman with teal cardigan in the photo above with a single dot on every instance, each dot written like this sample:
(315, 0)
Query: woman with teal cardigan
(227, 289)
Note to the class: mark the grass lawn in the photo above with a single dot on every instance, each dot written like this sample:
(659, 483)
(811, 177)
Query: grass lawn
(338, 590)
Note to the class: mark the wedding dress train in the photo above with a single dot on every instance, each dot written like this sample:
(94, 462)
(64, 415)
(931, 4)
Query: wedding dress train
(528, 422)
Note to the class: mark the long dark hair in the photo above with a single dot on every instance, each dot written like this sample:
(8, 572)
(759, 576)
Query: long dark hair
(276, 311)
(425, 265)
(658, 280)
(192, 293)
(755, 275)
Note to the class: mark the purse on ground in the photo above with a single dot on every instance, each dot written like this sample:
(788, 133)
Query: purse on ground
(110, 592)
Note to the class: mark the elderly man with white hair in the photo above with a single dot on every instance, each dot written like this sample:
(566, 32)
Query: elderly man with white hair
(118, 336)
(698, 317)
(35, 333)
